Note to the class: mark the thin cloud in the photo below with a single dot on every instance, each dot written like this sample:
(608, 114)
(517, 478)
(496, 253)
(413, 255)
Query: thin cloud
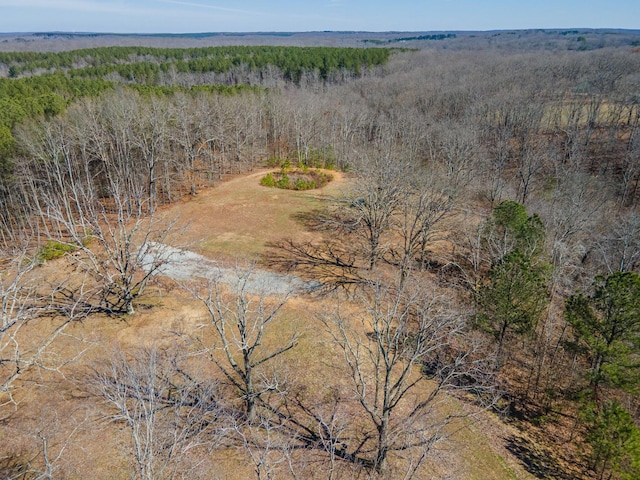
(214, 7)
(184, 15)
(290, 16)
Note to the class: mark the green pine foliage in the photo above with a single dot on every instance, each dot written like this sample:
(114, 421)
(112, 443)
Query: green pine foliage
(514, 299)
(514, 295)
(606, 330)
(304, 179)
(268, 180)
(46, 95)
(614, 441)
(143, 64)
(523, 232)
(43, 84)
(53, 249)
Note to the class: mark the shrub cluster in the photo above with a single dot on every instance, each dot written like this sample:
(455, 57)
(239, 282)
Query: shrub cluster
(296, 180)
(52, 250)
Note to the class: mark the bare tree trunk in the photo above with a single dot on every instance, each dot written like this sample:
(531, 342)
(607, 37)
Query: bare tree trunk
(240, 318)
(402, 331)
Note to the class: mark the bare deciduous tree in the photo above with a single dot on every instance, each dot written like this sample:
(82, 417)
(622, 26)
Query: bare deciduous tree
(372, 201)
(106, 218)
(403, 351)
(240, 314)
(425, 202)
(267, 445)
(619, 247)
(30, 322)
(172, 417)
(121, 246)
(631, 163)
(530, 162)
(54, 436)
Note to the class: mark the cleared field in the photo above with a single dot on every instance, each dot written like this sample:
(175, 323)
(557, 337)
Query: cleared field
(237, 218)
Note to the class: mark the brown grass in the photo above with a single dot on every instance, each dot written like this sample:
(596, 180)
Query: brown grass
(239, 217)
(236, 218)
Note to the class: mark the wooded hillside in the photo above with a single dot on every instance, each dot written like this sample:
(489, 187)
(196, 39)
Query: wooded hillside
(479, 258)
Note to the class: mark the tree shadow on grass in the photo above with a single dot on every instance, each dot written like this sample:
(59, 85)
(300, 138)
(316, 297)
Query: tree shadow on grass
(536, 460)
(15, 467)
(328, 264)
(322, 220)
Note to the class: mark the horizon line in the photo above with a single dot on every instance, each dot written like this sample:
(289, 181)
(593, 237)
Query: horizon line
(291, 32)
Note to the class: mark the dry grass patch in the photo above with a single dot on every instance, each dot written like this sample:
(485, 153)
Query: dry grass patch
(238, 217)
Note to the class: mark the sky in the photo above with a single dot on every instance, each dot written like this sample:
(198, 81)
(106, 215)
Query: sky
(193, 16)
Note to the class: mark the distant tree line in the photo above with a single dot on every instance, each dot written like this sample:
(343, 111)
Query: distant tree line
(507, 185)
(97, 62)
(76, 74)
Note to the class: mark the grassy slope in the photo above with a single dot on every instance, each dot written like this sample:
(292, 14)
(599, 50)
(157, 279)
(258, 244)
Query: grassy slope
(239, 217)
(236, 218)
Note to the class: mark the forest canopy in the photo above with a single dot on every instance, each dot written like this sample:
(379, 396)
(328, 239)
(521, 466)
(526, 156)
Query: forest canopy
(477, 252)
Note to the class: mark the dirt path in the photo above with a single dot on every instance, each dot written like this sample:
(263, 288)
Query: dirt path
(238, 219)
(184, 265)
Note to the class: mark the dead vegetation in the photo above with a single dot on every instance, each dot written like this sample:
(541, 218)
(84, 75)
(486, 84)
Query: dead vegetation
(455, 185)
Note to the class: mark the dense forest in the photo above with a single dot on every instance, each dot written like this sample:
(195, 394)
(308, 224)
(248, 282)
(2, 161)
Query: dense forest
(481, 257)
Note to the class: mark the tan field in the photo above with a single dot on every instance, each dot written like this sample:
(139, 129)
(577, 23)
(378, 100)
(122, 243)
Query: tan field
(237, 218)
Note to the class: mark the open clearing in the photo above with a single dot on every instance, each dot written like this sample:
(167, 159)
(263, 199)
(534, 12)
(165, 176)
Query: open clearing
(239, 218)
(235, 220)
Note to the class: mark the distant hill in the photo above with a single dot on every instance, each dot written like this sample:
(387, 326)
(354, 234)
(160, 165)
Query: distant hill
(525, 40)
